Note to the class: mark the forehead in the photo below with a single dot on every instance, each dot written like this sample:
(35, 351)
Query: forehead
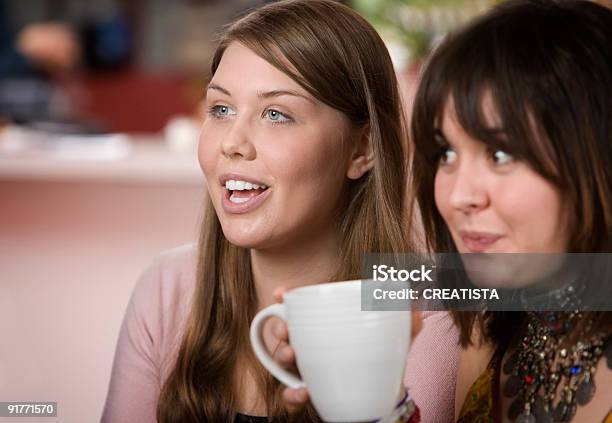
(476, 122)
(242, 69)
(484, 111)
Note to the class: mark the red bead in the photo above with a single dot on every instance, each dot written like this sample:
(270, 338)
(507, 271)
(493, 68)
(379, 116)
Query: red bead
(529, 379)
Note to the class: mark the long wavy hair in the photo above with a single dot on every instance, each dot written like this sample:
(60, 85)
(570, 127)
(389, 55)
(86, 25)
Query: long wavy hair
(337, 57)
(552, 90)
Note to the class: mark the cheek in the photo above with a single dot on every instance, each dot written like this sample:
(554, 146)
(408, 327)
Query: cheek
(309, 174)
(533, 210)
(305, 159)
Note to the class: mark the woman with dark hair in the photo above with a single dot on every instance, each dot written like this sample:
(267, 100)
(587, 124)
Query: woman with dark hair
(304, 152)
(512, 126)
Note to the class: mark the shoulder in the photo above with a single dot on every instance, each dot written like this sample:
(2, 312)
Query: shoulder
(168, 282)
(150, 335)
(161, 300)
(167, 279)
(169, 271)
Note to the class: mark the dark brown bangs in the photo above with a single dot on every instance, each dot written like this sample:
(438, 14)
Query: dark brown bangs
(477, 74)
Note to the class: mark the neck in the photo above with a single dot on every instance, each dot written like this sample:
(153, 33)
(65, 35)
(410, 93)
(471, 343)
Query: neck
(304, 262)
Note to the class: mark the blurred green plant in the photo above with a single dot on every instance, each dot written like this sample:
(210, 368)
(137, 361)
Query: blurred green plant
(416, 24)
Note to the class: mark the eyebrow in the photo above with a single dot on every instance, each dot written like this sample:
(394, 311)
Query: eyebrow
(264, 95)
(218, 88)
(498, 139)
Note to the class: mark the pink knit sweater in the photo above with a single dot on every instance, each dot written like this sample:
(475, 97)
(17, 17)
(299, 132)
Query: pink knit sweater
(154, 323)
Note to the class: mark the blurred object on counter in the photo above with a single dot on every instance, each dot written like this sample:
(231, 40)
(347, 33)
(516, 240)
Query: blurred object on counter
(63, 141)
(181, 134)
(65, 127)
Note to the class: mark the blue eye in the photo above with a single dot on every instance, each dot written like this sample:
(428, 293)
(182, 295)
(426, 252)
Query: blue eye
(220, 111)
(276, 117)
(500, 157)
(448, 156)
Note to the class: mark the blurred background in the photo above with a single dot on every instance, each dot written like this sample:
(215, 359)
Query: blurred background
(99, 118)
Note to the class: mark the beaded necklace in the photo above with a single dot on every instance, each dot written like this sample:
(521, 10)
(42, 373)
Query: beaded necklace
(541, 365)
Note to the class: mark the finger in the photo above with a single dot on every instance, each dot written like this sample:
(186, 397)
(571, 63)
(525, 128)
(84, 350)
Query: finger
(295, 398)
(278, 294)
(280, 331)
(285, 356)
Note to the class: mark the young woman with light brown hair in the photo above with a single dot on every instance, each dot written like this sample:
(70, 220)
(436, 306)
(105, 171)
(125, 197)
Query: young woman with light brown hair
(305, 154)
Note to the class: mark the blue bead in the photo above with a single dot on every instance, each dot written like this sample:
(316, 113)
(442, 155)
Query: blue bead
(576, 370)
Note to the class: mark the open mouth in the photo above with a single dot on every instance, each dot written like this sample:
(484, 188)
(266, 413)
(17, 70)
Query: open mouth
(242, 196)
(242, 192)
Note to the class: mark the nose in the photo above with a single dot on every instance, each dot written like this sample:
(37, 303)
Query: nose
(468, 193)
(236, 142)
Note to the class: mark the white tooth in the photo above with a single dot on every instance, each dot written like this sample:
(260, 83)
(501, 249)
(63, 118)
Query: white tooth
(238, 200)
(231, 185)
(240, 185)
(227, 185)
(248, 185)
(263, 186)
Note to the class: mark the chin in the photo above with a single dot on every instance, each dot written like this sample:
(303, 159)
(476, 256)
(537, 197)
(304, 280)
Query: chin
(242, 241)
(245, 239)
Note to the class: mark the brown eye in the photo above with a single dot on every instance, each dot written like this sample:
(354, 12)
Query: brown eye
(447, 156)
(500, 157)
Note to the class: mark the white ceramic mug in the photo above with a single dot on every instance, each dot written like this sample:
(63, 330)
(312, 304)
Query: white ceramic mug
(351, 361)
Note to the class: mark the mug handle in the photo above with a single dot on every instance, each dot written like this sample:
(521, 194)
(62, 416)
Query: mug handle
(261, 352)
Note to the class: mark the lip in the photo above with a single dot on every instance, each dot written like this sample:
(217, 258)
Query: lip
(478, 242)
(237, 177)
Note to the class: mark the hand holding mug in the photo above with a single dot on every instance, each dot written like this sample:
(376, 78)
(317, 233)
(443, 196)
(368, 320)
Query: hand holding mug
(285, 355)
(351, 361)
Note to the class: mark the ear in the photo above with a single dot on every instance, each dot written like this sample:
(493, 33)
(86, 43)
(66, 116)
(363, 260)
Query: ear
(362, 155)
